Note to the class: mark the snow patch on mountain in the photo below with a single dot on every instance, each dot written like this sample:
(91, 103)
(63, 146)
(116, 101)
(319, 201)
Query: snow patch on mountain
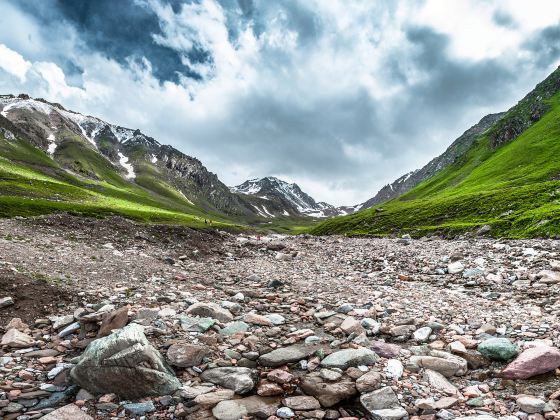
(52, 144)
(123, 160)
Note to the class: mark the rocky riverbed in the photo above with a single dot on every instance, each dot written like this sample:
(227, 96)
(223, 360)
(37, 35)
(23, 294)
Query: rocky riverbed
(112, 319)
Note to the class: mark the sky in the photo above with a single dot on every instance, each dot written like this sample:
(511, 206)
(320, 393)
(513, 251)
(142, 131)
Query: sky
(339, 96)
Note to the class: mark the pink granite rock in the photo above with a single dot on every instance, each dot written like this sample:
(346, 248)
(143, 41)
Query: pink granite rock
(532, 362)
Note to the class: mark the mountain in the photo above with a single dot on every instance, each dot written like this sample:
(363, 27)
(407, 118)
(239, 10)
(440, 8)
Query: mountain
(456, 150)
(501, 177)
(85, 162)
(284, 199)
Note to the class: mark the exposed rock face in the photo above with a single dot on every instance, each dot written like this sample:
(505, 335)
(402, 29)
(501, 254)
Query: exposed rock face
(532, 362)
(126, 364)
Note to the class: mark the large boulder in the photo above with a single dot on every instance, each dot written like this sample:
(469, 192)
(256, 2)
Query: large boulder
(532, 362)
(126, 364)
(239, 379)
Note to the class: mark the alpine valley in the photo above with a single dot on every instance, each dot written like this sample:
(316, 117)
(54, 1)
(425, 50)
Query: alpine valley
(501, 177)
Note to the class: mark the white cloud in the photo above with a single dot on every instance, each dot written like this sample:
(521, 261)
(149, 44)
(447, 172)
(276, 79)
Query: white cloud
(13, 63)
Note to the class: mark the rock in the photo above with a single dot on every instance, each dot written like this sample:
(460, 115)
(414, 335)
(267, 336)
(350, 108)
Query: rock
(384, 349)
(187, 355)
(331, 374)
(455, 267)
(446, 367)
(380, 399)
(328, 393)
(285, 355)
(62, 321)
(394, 369)
(439, 382)
(16, 339)
(302, 402)
(69, 329)
(210, 310)
(497, 349)
(141, 408)
(6, 301)
(233, 328)
(241, 380)
(369, 381)
(549, 277)
(344, 359)
(280, 376)
(530, 404)
(18, 324)
(285, 413)
(126, 364)
(276, 319)
(256, 319)
(113, 321)
(269, 389)
(422, 334)
(214, 397)
(390, 414)
(351, 325)
(68, 412)
(259, 407)
(531, 362)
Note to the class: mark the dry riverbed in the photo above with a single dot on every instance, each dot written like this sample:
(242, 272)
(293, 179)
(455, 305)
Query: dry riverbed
(108, 318)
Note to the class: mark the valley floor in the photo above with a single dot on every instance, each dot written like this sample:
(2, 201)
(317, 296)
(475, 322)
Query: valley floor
(388, 296)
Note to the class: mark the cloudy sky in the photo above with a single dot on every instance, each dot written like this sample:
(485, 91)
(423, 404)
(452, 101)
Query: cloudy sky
(340, 96)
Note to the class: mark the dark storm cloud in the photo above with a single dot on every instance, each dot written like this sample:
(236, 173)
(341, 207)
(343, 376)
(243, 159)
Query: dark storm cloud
(121, 30)
(452, 85)
(544, 45)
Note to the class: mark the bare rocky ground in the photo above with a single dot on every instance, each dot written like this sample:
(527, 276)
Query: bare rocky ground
(109, 319)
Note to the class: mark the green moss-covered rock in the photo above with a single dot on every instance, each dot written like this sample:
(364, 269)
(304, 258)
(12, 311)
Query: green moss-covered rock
(498, 349)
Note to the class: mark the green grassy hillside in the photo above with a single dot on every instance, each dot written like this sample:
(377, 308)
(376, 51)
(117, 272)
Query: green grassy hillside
(31, 183)
(514, 188)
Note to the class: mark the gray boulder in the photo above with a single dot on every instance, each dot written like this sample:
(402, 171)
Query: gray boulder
(126, 364)
(239, 379)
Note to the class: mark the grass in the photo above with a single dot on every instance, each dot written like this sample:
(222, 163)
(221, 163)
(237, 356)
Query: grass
(513, 188)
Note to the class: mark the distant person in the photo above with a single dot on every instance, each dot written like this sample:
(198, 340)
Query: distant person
(205, 221)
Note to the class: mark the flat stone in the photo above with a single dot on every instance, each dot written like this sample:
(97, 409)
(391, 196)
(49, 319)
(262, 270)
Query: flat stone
(234, 328)
(380, 399)
(532, 362)
(259, 407)
(256, 319)
(455, 267)
(75, 326)
(390, 414)
(187, 355)
(369, 381)
(344, 359)
(68, 412)
(16, 339)
(6, 301)
(241, 380)
(439, 382)
(302, 402)
(141, 408)
(285, 355)
(213, 398)
(384, 349)
(531, 405)
(210, 310)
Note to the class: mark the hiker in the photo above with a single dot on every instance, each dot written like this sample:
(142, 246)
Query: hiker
(205, 221)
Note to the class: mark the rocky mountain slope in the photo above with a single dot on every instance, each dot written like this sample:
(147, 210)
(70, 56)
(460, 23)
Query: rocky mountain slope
(457, 149)
(285, 199)
(501, 177)
(93, 155)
